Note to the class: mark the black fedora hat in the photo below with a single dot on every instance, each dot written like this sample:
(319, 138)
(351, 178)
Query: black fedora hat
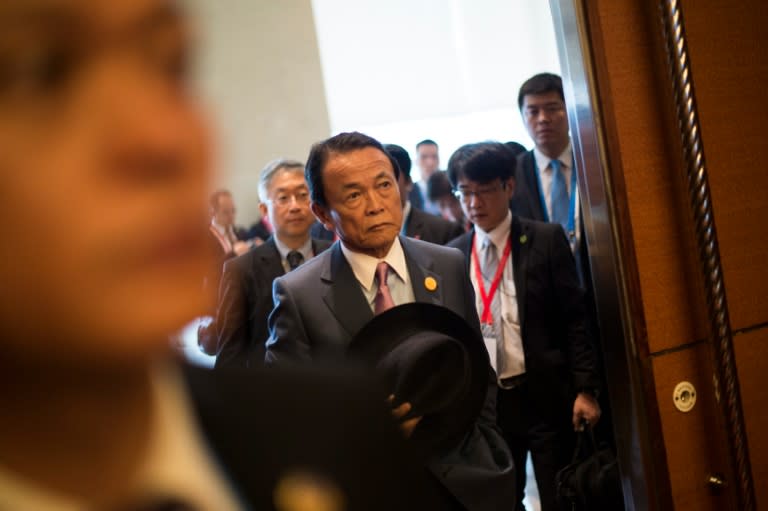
(429, 356)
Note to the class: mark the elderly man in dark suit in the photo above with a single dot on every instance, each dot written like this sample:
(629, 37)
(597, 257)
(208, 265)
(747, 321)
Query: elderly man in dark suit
(417, 223)
(533, 317)
(245, 295)
(322, 305)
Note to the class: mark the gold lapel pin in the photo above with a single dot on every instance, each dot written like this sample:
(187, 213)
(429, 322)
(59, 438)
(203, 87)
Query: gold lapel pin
(430, 283)
(523, 238)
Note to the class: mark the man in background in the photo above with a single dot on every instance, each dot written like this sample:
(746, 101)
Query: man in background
(533, 318)
(428, 159)
(440, 191)
(245, 295)
(416, 223)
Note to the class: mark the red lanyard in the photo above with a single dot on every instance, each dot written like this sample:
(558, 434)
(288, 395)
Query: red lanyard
(487, 299)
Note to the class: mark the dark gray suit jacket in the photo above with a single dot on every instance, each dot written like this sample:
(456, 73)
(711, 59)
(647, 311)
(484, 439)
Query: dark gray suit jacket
(320, 306)
(428, 227)
(245, 301)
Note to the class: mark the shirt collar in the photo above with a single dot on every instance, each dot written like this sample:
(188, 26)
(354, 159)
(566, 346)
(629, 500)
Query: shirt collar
(364, 266)
(566, 158)
(498, 235)
(220, 228)
(305, 250)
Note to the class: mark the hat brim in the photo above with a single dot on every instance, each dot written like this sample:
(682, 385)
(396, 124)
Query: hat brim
(387, 330)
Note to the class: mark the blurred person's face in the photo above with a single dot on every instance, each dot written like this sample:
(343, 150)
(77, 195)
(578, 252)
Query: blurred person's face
(546, 121)
(486, 204)
(225, 211)
(450, 208)
(429, 160)
(103, 176)
(288, 205)
(363, 201)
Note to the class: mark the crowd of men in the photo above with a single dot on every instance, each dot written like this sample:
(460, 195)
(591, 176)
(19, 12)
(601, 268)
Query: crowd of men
(104, 150)
(514, 215)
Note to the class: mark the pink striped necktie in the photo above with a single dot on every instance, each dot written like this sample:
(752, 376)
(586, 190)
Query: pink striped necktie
(383, 300)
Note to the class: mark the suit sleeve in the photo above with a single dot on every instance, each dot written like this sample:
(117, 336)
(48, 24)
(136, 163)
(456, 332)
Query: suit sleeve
(232, 318)
(288, 341)
(580, 349)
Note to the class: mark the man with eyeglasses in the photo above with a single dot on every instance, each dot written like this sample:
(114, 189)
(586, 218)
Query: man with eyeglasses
(532, 315)
(245, 294)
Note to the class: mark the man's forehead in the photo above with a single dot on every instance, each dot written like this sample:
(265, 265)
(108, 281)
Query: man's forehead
(542, 99)
(357, 159)
(113, 14)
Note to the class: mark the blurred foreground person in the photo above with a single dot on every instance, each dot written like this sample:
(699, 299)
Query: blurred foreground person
(103, 154)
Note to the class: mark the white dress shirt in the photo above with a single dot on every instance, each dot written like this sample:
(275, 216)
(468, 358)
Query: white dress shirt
(177, 464)
(364, 268)
(509, 356)
(545, 172)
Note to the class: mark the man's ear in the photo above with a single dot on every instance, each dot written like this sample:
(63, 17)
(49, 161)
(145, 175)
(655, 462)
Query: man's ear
(510, 187)
(263, 209)
(323, 215)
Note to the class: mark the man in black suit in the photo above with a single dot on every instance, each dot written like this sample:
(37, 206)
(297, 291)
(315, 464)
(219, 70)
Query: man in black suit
(322, 305)
(245, 294)
(546, 177)
(94, 411)
(417, 223)
(533, 317)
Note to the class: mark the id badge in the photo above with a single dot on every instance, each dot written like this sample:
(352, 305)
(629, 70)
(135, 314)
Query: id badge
(490, 337)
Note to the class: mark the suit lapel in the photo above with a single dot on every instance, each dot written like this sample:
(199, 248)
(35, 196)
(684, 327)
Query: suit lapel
(270, 262)
(420, 268)
(532, 183)
(343, 294)
(521, 241)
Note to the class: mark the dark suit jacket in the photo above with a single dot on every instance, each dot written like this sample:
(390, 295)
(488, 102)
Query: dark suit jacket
(320, 307)
(427, 227)
(526, 203)
(245, 301)
(560, 358)
(257, 423)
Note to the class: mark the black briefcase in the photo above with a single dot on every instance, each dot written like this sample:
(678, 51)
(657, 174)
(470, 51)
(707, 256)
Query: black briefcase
(591, 481)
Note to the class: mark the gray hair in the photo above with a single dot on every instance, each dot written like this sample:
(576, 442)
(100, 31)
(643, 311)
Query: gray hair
(271, 170)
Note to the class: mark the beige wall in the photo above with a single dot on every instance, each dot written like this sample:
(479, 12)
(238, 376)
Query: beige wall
(260, 74)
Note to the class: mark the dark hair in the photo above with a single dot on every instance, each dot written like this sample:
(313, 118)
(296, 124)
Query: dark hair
(402, 157)
(438, 186)
(515, 147)
(342, 143)
(540, 84)
(214, 199)
(426, 141)
(482, 162)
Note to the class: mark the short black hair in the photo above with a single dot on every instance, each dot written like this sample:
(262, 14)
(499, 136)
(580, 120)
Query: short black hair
(482, 162)
(515, 147)
(426, 141)
(540, 84)
(438, 186)
(402, 157)
(341, 143)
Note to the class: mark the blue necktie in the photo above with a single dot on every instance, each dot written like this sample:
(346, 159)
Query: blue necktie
(559, 196)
